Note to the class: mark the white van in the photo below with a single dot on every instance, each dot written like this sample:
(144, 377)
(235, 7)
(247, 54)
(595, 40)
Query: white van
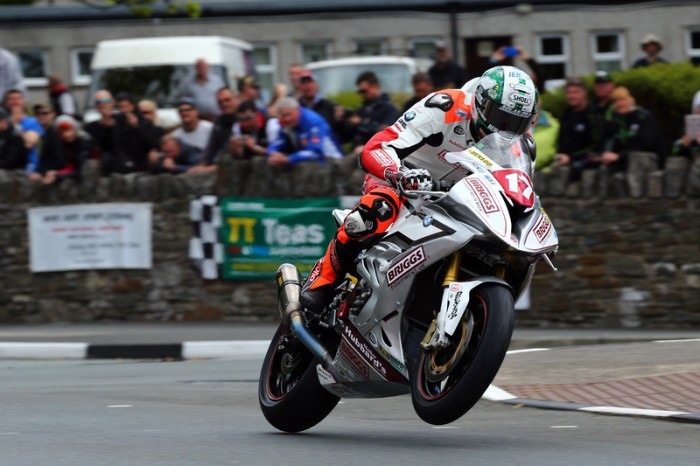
(394, 73)
(155, 68)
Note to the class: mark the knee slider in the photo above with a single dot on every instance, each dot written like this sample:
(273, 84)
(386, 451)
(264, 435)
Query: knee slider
(354, 224)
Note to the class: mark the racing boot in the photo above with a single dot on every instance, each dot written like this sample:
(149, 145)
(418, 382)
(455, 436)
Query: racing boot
(324, 278)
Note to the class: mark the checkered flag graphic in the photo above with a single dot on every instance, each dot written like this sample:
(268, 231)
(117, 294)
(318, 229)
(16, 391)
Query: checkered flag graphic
(206, 251)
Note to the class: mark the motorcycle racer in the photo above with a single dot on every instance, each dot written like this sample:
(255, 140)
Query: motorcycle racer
(411, 153)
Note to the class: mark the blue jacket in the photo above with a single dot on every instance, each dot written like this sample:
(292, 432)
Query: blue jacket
(311, 139)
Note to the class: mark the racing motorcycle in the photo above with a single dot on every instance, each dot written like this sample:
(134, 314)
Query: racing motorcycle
(428, 309)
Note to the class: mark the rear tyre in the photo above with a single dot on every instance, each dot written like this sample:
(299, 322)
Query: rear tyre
(290, 395)
(446, 383)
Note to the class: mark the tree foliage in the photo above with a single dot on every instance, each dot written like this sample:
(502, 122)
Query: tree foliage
(145, 8)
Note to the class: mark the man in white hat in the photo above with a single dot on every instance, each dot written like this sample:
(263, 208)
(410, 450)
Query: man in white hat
(651, 46)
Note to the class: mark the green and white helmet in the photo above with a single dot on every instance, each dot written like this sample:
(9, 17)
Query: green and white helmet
(505, 100)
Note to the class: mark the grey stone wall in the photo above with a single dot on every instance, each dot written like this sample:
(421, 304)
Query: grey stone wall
(629, 254)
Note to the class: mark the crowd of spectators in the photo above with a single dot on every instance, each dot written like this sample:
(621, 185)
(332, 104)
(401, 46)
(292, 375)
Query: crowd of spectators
(299, 124)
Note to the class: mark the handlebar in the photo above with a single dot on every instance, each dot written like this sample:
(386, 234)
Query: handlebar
(438, 189)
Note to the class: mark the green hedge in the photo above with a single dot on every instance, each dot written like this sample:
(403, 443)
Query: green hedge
(666, 90)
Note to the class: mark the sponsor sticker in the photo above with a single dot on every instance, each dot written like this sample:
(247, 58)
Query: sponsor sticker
(381, 156)
(455, 287)
(520, 99)
(410, 116)
(354, 359)
(405, 265)
(459, 130)
(477, 155)
(542, 227)
(485, 199)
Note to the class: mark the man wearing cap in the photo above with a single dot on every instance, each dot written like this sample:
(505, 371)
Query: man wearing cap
(582, 130)
(445, 73)
(651, 46)
(63, 152)
(194, 131)
(201, 88)
(13, 154)
(603, 87)
(310, 98)
(249, 89)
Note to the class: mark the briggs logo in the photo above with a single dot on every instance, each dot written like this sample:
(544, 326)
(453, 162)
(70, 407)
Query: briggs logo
(487, 202)
(542, 228)
(408, 263)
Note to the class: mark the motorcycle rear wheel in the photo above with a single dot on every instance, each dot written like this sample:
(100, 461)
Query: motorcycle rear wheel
(290, 395)
(443, 390)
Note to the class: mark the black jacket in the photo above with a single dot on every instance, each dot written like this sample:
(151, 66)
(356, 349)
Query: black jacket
(582, 133)
(130, 146)
(13, 154)
(218, 140)
(65, 158)
(636, 131)
(375, 115)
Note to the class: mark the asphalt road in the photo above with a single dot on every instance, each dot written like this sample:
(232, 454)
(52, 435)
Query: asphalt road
(206, 413)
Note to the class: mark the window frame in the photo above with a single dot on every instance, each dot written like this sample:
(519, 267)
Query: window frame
(268, 69)
(34, 81)
(325, 43)
(77, 78)
(564, 58)
(423, 40)
(382, 45)
(618, 56)
(690, 51)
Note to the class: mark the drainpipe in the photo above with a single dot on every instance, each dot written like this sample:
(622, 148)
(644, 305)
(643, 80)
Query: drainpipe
(454, 34)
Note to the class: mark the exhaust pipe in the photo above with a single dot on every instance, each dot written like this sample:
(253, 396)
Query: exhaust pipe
(288, 281)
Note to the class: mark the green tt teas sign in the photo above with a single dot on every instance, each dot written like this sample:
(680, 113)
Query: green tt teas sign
(260, 234)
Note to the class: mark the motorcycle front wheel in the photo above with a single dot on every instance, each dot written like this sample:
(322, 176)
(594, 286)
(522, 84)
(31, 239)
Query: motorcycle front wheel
(290, 395)
(447, 382)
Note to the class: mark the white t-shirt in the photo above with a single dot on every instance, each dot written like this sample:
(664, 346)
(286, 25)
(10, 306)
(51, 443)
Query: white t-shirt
(198, 138)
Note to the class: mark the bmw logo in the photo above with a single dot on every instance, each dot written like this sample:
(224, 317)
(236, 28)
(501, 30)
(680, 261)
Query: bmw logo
(410, 116)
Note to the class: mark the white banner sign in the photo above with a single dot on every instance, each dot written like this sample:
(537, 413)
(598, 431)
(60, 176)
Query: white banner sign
(90, 236)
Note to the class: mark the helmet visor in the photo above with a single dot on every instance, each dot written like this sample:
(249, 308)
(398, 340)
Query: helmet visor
(511, 120)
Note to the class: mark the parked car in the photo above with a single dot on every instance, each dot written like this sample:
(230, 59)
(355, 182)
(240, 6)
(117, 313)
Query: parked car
(155, 68)
(394, 73)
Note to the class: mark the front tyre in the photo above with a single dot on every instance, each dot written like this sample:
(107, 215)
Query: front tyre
(290, 395)
(447, 382)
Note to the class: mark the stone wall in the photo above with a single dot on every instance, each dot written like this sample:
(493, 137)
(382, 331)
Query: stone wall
(627, 258)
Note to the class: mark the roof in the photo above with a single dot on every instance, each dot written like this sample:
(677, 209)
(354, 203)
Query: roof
(214, 8)
(371, 60)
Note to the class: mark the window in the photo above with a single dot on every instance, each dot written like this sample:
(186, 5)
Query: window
(33, 64)
(553, 56)
(265, 60)
(315, 51)
(80, 60)
(608, 51)
(423, 47)
(693, 42)
(370, 47)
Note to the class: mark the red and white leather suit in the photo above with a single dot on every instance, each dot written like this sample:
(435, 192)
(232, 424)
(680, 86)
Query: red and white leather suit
(420, 138)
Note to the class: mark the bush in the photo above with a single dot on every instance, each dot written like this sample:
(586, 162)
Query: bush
(666, 90)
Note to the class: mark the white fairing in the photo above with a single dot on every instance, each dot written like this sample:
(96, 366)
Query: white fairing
(483, 198)
(371, 360)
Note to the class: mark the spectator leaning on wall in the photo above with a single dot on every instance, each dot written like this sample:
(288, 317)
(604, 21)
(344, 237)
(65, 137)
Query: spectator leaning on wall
(305, 136)
(582, 131)
(29, 127)
(194, 131)
(635, 131)
(63, 154)
(13, 154)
